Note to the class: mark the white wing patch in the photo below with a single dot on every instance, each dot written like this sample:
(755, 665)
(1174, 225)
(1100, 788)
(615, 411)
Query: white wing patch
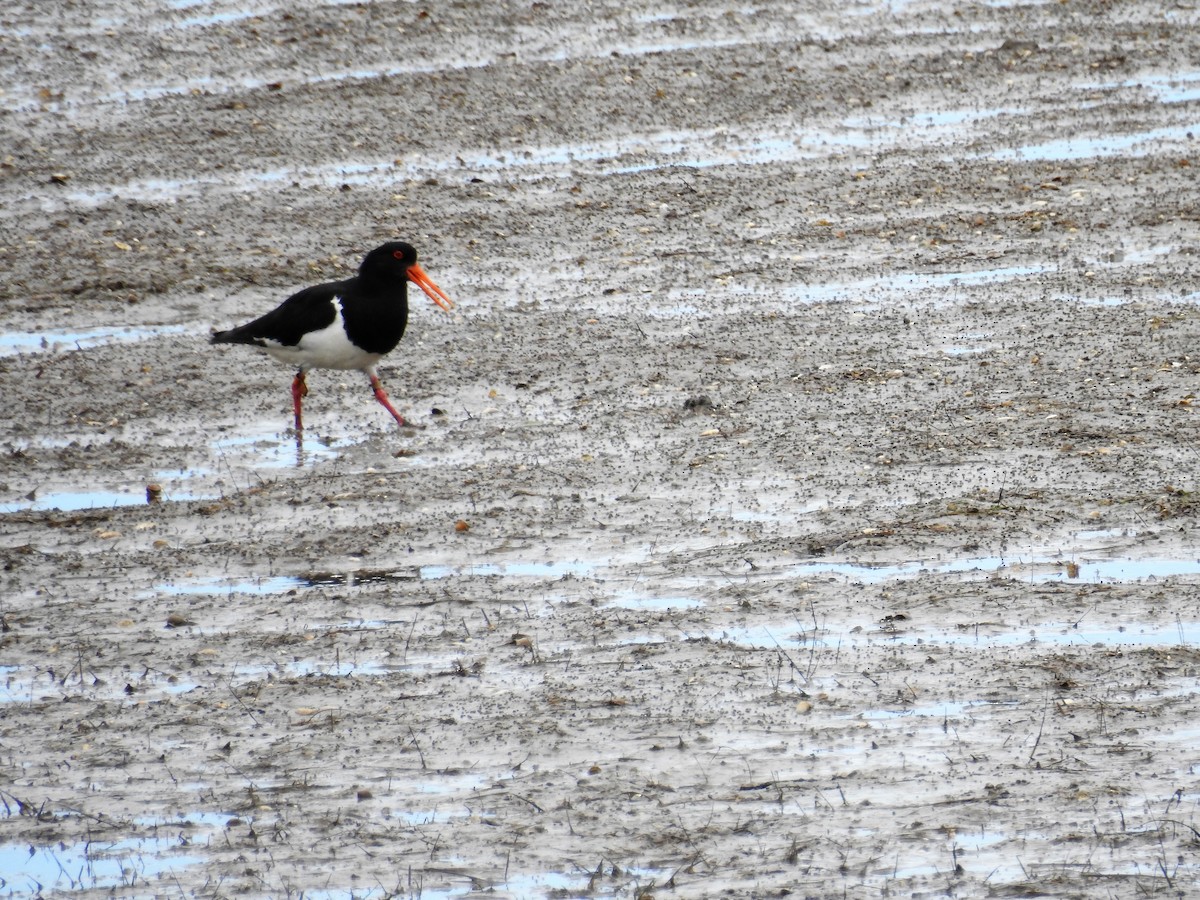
(329, 348)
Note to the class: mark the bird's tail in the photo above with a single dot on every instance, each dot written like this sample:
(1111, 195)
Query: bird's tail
(232, 336)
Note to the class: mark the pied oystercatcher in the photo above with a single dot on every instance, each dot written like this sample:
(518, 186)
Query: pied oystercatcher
(347, 324)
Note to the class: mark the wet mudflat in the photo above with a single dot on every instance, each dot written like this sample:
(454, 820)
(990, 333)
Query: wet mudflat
(803, 501)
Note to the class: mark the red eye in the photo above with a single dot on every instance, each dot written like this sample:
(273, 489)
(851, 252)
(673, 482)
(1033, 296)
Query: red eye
(399, 254)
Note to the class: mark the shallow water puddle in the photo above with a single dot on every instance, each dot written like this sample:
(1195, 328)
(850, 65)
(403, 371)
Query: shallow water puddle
(336, 669)
(1101, 534)
(977, 848)
(309, 668)
(630, 882)
(965, 350)
(688, 302)
(456, 781)
(895, 286)
(79, 493)
(634, 600)
(940, 711)
(1141, 143)
(279, 584)
(1176, 634)
(1020, 861)
(577, 568)
(60, 341)
(430, 816)
(360, 578)
(270, 448)
(25, 684)
(92, 865)
(684, 591)
(76, 501)
(1065, 634)
(606, 883)
(977, 851)
(1171, 87)
(460, 790)
(210, 820)
(1033, 568)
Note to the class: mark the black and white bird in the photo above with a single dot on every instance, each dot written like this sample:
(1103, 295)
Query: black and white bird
(347, 324)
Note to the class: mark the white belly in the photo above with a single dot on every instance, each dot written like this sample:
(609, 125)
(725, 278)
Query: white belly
(328, 348)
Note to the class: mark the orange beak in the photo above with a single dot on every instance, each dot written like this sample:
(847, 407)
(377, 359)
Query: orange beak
(418, 277)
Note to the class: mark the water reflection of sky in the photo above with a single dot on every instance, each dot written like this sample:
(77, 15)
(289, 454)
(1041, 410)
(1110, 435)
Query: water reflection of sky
(43, 341)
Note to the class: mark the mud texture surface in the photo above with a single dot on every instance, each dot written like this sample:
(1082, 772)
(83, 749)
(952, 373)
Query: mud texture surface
(803, 498)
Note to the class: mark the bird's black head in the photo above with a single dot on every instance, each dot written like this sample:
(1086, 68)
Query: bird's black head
(397, 261)
(391, 261)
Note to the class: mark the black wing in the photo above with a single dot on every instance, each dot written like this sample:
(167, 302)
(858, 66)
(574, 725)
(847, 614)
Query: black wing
(308, 310)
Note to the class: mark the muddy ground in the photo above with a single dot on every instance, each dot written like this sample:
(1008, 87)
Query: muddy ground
(802, 498)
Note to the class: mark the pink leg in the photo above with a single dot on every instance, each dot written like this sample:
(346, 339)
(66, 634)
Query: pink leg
(382, 397)
(299, 391)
